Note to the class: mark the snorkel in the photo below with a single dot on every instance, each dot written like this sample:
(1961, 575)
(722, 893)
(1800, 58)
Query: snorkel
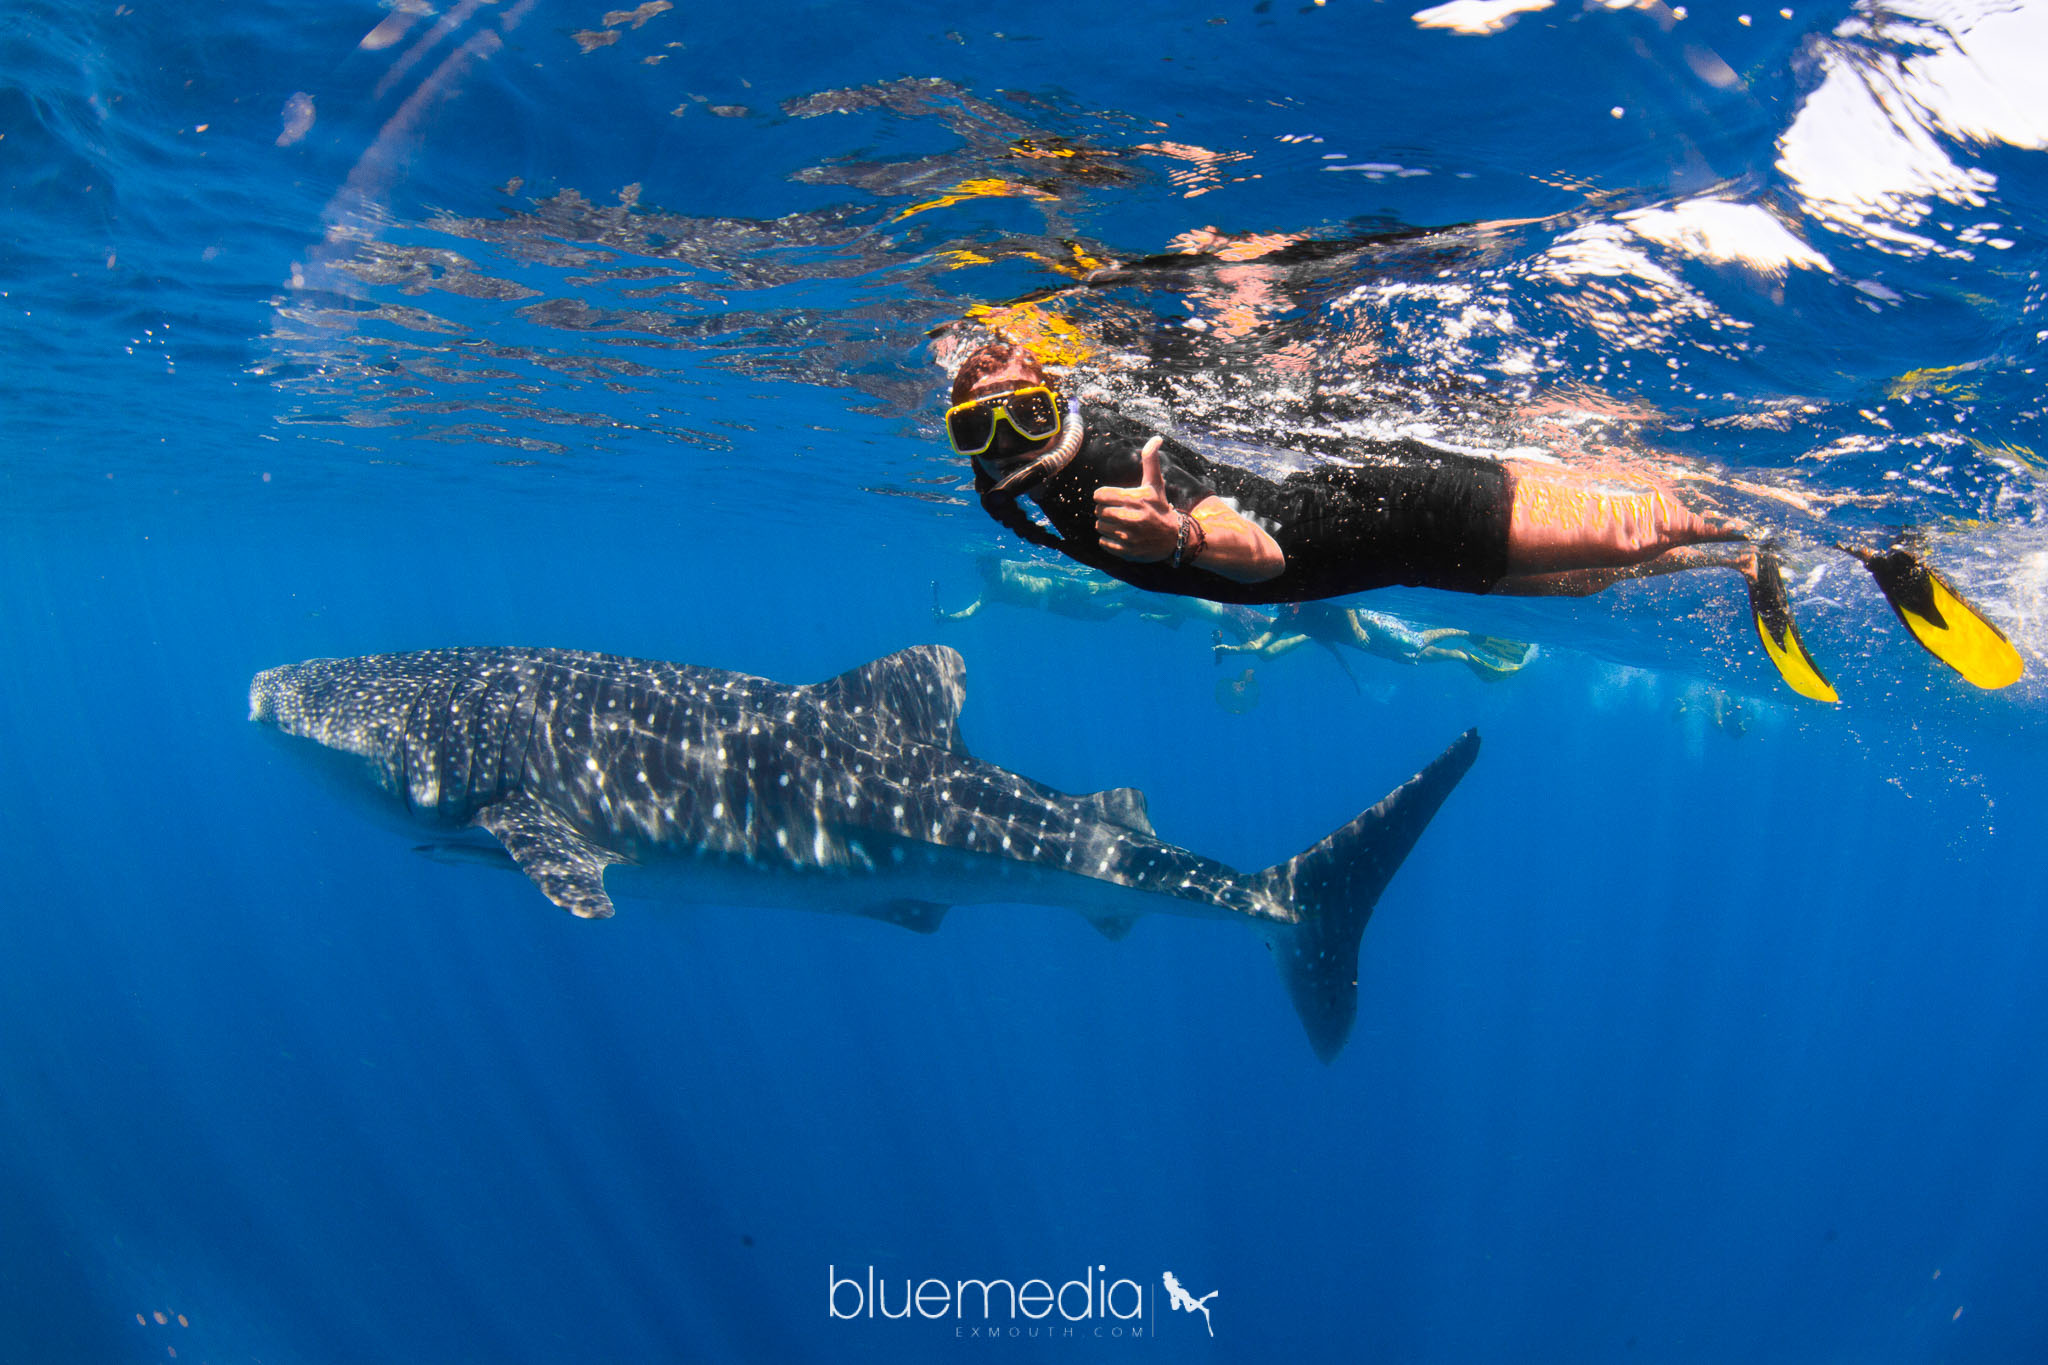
(1012, 478)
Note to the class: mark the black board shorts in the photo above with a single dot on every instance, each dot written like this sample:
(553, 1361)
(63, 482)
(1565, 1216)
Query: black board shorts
(1437, 521)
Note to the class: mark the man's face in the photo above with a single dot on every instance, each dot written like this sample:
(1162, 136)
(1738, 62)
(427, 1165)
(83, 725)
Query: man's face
(1019, 372)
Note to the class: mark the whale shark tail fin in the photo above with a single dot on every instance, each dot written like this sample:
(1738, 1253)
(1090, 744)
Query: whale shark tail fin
(1333, 887)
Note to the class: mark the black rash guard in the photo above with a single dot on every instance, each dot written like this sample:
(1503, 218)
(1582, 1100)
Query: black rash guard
(1396, 513)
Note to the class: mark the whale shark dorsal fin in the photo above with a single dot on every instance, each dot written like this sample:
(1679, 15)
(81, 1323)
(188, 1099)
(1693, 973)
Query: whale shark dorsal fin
(915, 691)
(1122, 806)
(568, 869)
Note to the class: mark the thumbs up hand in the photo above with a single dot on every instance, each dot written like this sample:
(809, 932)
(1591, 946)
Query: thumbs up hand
(1138, 523)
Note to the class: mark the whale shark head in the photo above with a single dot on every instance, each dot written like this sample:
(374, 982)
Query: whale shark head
(427, 726)
(334, 702)
(354, 738)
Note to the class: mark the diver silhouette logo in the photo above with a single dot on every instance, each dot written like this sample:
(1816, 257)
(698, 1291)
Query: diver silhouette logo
(1182, 1301)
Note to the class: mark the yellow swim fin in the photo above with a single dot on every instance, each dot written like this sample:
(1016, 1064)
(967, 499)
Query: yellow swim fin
(1941, 619)
(1774, 626)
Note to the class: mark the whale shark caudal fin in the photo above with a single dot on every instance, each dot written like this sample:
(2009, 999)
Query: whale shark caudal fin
(1334, 886)
(1942, 619)
(567, 867)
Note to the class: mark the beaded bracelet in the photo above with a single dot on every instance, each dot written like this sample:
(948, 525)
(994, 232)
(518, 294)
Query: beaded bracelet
(1189, 529)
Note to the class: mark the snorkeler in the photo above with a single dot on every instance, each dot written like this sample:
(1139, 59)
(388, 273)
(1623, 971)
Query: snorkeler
(1063, 590)
(1234, 619)
(1080, 593)
(1166, 518)
(1384, 637)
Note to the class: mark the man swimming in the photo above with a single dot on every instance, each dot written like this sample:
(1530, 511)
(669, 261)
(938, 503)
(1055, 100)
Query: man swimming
(1384, 637)
(1162, 516)
(1074, 591)
(1064, 590)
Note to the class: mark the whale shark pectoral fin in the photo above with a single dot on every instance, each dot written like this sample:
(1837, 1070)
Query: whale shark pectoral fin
(916, 690)
(568, 868)
(920, 917)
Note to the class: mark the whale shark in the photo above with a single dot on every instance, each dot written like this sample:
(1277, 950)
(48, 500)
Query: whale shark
(592, 773)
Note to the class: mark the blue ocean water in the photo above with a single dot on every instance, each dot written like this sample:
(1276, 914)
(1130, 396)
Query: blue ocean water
(1704, 1024)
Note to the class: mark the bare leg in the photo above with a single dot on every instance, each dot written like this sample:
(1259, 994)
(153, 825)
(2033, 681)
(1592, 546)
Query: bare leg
(1285, 644)
(1219, 647)
(1562, 522)
(1586, 582)
(1491, 665)
(1270, 645)
(939, 613)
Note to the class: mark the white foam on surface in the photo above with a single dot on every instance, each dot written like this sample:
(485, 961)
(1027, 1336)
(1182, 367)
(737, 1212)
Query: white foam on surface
(1869, 150)
(1478, 16)
(1727, 232)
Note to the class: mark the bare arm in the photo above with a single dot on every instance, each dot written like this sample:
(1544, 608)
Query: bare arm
(1237, 549)
(1140, 525)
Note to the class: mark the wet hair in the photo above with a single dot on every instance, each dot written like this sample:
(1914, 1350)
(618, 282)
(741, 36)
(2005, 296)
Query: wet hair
(984, 363)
